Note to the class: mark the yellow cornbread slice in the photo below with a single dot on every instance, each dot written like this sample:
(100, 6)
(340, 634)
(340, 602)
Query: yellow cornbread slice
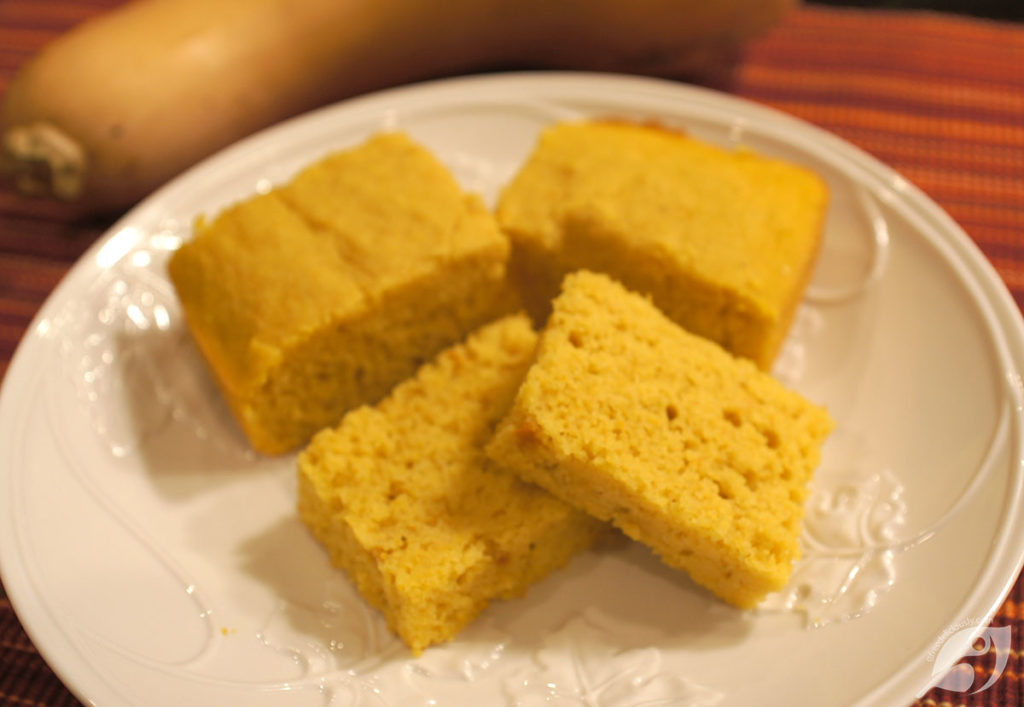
(688, 449)
(405, 500)
(723, 241)
(327, 291)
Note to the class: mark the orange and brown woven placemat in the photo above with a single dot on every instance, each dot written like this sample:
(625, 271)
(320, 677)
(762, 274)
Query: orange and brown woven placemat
(938, 97)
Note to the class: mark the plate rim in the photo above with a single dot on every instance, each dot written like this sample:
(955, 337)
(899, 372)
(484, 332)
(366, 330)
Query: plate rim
(997, 295)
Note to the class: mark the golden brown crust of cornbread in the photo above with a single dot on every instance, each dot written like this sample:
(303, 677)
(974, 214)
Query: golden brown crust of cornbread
(686, 448)
(724, 241)
(405, 500)
(329, 290)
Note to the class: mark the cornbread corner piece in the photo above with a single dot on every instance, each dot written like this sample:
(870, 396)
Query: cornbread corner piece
(724, 241)
(686, 448)
(406, 501)
(324, 293)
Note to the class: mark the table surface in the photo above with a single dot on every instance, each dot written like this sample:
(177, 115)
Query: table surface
(938, 97)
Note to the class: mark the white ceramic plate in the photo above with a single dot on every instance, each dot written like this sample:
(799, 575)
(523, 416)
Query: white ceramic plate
(155, 560)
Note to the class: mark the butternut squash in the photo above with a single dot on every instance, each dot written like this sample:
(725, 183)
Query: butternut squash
(123, 102)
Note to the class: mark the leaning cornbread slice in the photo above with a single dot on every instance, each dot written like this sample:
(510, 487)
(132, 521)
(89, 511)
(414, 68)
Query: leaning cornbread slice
(405, 500)
(324, 293)
(683, 446)
(724, 241)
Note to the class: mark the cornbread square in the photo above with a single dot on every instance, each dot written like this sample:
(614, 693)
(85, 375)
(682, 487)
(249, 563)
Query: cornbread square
(325, 292)
(405, 500)
(685, 447)
(723, 241)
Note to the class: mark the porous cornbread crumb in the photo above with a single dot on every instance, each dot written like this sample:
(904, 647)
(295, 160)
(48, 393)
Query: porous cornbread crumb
(406, 501)
(723, 241)
(686, 448)
(324, 293)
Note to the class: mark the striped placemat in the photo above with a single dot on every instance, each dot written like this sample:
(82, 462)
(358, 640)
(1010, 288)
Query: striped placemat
(939, 98)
